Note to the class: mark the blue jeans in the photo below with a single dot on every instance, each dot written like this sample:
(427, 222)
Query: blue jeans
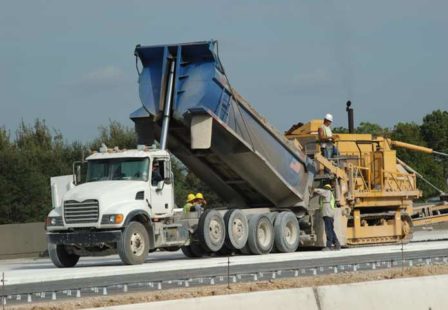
(330, 150)
(332, 239)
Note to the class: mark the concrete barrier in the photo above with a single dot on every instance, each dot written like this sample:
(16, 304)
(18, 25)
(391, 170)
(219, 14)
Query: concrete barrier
(291, 299)
(409, 293)
(22, 240)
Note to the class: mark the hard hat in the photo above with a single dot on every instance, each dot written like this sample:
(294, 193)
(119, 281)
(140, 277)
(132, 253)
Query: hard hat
(327, 186)
(191, 197)
(199, 196)
(329, 117)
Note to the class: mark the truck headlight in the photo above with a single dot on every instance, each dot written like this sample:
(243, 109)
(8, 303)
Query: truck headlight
(112, 219)
(54, 221)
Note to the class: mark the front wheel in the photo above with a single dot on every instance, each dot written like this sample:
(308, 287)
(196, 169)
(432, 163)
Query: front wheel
(133, 245)
(61, 257)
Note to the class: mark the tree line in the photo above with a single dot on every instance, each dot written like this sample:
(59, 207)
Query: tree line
(35, 153)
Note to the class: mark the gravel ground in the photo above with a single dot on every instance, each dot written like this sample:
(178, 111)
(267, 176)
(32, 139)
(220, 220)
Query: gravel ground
(182, 293)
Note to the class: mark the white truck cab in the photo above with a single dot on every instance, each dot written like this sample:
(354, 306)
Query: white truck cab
(125, 205)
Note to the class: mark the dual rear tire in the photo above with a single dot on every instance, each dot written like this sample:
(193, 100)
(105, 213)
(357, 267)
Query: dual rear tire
(256, 234)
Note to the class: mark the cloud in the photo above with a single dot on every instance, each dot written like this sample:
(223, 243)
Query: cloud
(102, 79)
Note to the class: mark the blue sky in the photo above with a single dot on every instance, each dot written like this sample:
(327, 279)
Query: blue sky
(71, 62)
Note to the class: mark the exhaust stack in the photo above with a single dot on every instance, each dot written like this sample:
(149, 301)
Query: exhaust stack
(351, 121)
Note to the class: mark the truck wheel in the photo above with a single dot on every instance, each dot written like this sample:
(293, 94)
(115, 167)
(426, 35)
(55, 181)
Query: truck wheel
(60, 257)
(133, 245)
(237, 229)
(286, 229)
(211, 230)
(261, 234)
(193, 250)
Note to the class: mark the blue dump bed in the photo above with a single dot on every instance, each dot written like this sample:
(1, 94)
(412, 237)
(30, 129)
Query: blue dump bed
(215, 132)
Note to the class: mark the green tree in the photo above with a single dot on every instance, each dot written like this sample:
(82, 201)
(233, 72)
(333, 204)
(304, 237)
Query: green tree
(115, 134)
(423, 163)
(372, 128)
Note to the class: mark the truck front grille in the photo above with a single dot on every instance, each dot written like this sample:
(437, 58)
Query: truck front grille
(76, 212)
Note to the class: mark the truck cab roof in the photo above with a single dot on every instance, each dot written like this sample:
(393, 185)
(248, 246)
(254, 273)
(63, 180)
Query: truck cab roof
(134, 153)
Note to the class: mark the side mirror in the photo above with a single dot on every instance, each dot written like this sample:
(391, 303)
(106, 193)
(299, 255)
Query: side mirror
(160, 186)
(168, 180)
(77, 172)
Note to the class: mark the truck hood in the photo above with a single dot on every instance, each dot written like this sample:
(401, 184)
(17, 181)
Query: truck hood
(106, 192)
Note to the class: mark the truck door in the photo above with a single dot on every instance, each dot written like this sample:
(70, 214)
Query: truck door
(162, 196)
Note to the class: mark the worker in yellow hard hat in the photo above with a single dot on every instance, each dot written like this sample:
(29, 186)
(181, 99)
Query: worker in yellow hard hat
(191, 199)
(200, 200)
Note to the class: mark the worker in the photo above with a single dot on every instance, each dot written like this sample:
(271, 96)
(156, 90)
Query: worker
(156, 177)
(326, 138)
(328, 210)
(191, 199)
(200, 200)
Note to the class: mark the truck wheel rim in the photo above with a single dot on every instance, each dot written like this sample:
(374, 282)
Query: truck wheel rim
(290, 232)
(264, 235)
(238, 230)
(137, 244)
(215, 231)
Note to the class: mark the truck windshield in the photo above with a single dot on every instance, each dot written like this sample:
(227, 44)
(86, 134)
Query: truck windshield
(118, 169)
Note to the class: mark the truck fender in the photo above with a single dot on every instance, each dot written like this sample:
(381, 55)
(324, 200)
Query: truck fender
(143, 217)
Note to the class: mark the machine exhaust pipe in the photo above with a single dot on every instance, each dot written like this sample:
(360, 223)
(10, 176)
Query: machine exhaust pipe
(351, 121)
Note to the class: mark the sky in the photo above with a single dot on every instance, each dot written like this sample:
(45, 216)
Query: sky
(71, 63)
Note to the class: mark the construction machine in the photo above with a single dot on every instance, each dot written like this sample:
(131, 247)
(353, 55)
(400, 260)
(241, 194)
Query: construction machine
(192, 111)
(375, 189)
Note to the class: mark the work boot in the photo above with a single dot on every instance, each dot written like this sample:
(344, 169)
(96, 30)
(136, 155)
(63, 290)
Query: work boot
(337, 247)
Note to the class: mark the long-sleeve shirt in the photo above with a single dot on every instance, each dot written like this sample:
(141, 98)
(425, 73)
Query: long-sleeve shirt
(327, 200)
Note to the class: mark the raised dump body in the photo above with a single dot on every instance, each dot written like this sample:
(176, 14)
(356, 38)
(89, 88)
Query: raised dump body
(214, 131)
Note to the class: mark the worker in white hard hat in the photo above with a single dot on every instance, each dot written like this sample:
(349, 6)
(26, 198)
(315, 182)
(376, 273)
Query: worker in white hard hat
(326, 138)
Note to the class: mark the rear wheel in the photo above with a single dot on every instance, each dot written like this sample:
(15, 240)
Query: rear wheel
(261, 234)
(133, 245)
(286, 228)
(211, 231)
(61, 257)
(194, 250)
(237, 229)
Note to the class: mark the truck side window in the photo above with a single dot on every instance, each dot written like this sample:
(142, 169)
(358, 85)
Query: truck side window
(157, 172)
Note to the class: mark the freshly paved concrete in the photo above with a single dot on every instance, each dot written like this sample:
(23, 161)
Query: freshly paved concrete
(42, 270)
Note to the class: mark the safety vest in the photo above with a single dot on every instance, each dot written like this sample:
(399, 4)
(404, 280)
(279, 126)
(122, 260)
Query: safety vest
(187, 207)
(332, 201)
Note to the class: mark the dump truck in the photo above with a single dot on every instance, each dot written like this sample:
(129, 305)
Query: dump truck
(190, 110)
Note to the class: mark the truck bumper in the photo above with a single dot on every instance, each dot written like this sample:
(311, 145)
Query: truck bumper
(84, 237)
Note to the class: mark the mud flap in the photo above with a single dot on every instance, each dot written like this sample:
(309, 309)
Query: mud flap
(201, 131)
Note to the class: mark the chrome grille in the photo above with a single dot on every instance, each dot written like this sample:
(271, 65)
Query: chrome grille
(76, 212)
